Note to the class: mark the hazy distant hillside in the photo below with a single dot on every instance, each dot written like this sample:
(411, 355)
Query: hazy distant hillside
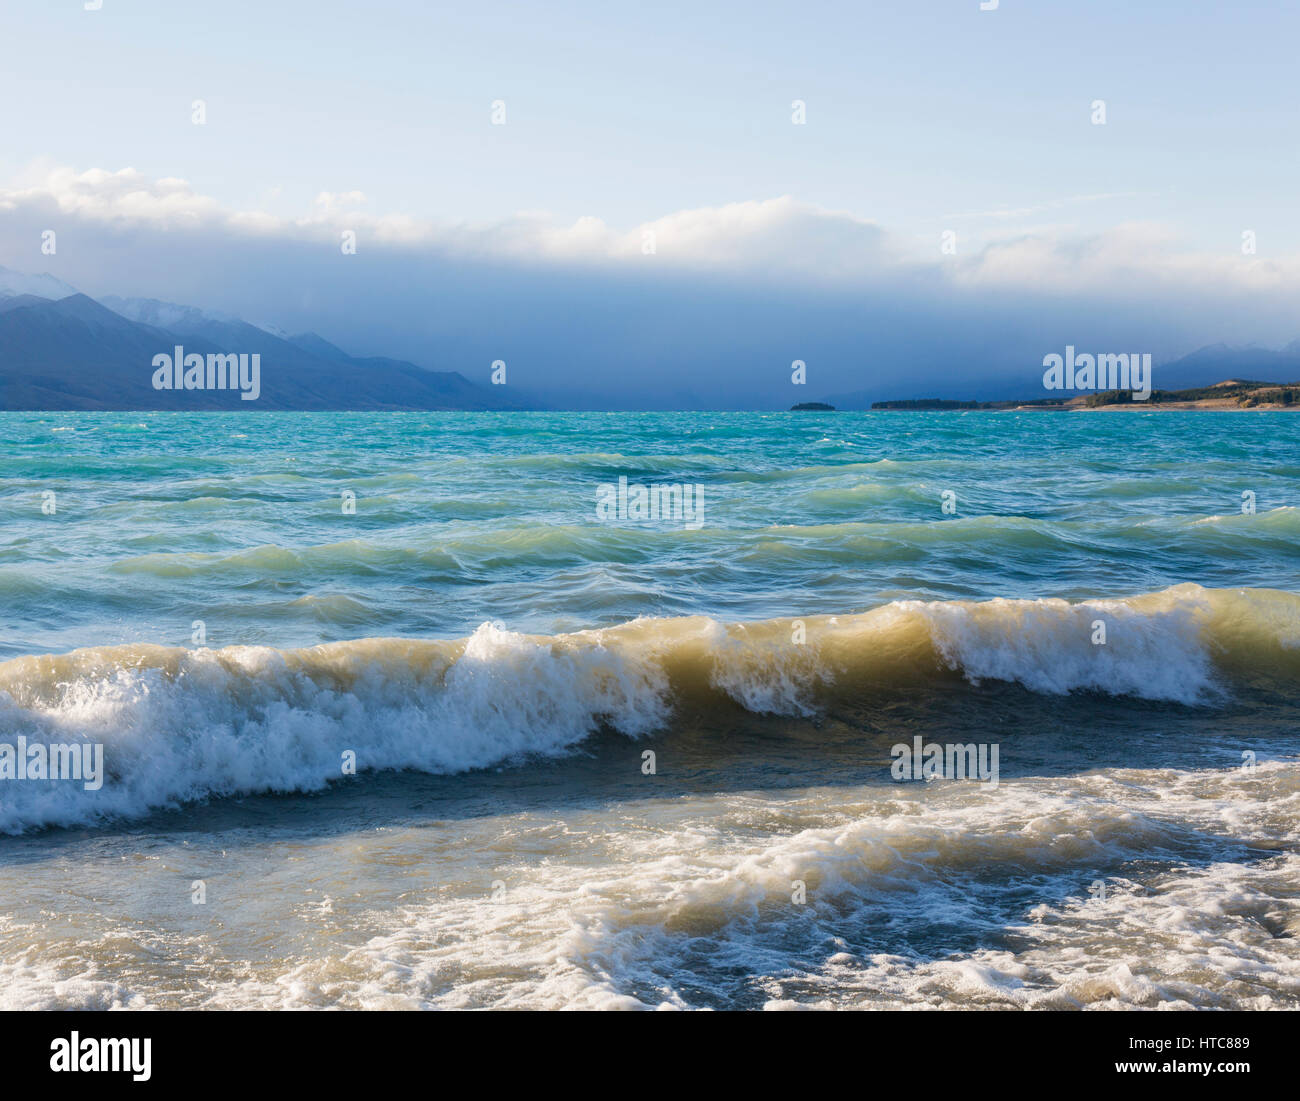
(1205, 367)
(62, 350)
(75, 353)
(1212, 364)
(14, 283)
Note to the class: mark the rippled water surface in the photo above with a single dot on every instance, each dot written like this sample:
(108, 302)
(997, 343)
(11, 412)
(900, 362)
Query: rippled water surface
(197, 598)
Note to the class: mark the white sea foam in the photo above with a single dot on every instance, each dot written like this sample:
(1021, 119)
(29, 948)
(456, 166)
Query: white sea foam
(1050, 645)
(688, 903)
(180, 725)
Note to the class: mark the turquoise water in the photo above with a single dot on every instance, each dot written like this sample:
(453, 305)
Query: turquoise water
(236, 519)
(402, 748)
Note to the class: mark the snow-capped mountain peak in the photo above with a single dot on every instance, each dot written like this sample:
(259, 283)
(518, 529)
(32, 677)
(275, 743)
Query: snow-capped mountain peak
(43, 285)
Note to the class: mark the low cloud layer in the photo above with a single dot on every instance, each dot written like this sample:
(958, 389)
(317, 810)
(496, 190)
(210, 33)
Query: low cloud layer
(706, 306)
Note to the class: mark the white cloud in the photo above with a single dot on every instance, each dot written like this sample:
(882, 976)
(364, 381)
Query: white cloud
(778, 231)
(124, 196)
(757, 240)
(1132, 258)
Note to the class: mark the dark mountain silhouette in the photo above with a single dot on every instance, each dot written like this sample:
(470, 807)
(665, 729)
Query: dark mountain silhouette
(20, 300)
(1211, 364)
(74, 353)
(67, 351)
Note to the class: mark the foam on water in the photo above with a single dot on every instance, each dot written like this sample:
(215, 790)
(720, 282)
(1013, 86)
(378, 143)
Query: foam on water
(937, 896)
(181, 725)
(826, 608)
(658, 928)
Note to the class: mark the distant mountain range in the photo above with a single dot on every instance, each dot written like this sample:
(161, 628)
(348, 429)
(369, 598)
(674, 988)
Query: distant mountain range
(60, 349)
(63, 350)
(1209, 365)
(1205, 367)
(42, 286)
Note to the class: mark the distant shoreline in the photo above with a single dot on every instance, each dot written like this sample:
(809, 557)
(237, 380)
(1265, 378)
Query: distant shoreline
(1227, 395)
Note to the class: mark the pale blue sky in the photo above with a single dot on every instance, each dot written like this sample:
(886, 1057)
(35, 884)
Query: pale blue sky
(918, 112)
(525, 241)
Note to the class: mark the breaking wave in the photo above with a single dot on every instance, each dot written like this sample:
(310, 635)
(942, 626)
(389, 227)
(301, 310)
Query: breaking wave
(180, 725)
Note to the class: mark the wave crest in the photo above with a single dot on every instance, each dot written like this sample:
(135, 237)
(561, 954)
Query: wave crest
(180, 725)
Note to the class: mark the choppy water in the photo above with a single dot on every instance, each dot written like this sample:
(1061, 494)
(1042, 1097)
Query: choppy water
(499, 660)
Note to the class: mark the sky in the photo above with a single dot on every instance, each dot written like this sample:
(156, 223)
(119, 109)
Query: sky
(649, 206)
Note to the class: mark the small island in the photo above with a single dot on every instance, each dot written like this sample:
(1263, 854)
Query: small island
(812, 407)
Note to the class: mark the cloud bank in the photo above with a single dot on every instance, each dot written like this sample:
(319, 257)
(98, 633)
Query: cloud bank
(706, 306)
